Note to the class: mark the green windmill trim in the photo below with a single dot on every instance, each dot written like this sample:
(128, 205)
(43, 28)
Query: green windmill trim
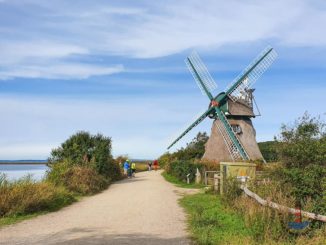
(231, 134)
(210, 96)
(245, 74)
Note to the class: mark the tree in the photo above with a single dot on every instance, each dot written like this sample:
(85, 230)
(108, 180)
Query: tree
(269, 150)
(194, 150)
(84, 149)
(302, 151)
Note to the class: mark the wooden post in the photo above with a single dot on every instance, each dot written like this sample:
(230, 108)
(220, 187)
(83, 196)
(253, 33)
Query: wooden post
(198, 177)
(282, 208)
(216, 182)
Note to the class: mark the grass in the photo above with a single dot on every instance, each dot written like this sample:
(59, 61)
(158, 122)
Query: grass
(18, 218)
(210, 222)
(180, 183)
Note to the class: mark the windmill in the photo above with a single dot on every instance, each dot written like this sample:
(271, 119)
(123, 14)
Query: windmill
(233, 136)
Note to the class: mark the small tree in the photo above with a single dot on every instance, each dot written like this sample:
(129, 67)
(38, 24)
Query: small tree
(302, 151)
(84, 149)
(269, 150)
(194, 150)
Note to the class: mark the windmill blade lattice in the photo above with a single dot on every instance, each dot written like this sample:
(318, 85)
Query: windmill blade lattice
(232, 149)
(194, 62)
(251, 74)
(225, 130)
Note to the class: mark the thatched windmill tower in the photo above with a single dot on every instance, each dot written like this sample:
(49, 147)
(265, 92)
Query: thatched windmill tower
(233, 136)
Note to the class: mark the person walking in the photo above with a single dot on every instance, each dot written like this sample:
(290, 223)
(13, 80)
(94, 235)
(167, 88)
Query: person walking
(149, 165)
(133, 169)
(126, 166)
(155, 165)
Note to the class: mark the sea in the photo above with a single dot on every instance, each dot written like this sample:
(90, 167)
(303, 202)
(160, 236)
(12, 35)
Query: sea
(17, 169)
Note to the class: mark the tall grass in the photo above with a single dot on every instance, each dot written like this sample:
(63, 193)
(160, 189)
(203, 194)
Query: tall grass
(211, 222)
(25, 196)
(78, 179)
(267, 225)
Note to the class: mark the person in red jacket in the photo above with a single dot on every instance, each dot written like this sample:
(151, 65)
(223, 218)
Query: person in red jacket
(155, 164)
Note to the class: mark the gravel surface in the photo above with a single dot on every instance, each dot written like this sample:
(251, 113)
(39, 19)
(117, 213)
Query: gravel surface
(141, 210)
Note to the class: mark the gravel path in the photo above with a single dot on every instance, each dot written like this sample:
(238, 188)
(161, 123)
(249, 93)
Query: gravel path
(142, 210)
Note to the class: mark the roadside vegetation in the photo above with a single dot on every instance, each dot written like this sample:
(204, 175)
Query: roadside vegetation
(82, 165)
(177, 182)
(296, 177)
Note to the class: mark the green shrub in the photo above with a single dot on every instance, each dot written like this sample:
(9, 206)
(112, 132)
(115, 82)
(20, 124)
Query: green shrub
(303, 155)
(79, 179)
(26, 196)
(84, 149)
(180, 169)
(269, 150)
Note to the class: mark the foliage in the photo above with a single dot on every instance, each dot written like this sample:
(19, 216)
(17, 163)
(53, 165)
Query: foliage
(78, 179)
(269, 150)
(92, 151)
(179, 183)
(165, 159)
(304, 143)
(303, 155)
(26, 196)
(194, 150)
(119, 160)
(267, 225)
(181, 168)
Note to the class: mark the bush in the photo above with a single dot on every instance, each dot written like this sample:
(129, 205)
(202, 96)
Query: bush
(303, 155)
(78, 179)
(180, 169)
(194, 150)
(26, 196)
(269, 150)
(92, 151)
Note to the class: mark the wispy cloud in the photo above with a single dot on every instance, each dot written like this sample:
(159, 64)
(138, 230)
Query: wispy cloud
(59, 71)
(146, 30)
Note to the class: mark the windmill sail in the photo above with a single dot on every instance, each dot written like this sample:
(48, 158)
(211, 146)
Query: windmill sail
(194, 124)
(250, 75)
(199, 71)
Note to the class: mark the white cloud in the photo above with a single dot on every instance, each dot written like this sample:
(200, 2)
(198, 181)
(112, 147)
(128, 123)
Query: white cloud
(60, 71)
(48, 32)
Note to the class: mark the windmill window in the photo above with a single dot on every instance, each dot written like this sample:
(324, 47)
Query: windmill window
(236, 128)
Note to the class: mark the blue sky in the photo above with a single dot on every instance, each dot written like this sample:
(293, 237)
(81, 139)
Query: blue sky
(117, 67)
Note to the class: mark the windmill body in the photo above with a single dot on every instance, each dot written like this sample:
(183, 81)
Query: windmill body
(239, 116)
(232, 137)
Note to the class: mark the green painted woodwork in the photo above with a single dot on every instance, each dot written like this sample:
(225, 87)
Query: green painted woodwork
(230, 132)
(210, 96)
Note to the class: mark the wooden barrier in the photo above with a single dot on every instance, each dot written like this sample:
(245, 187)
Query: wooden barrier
(281, 207)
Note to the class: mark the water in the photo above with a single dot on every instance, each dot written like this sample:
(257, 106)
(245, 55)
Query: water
(16, 171)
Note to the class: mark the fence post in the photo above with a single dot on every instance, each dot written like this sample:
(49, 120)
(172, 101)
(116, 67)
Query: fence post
(198, 177)
(188, 180)
(216, 182)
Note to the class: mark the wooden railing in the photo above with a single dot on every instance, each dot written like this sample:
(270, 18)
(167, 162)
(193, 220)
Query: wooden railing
(282, 208)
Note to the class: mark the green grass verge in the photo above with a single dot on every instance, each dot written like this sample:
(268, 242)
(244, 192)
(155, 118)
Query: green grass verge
(179, 183)
(210, 222)
(18, 218)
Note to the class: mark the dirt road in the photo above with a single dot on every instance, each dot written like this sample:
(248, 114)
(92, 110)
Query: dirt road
(142, 210)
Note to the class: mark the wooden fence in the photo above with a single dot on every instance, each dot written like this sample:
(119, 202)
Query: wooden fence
(282, 208)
